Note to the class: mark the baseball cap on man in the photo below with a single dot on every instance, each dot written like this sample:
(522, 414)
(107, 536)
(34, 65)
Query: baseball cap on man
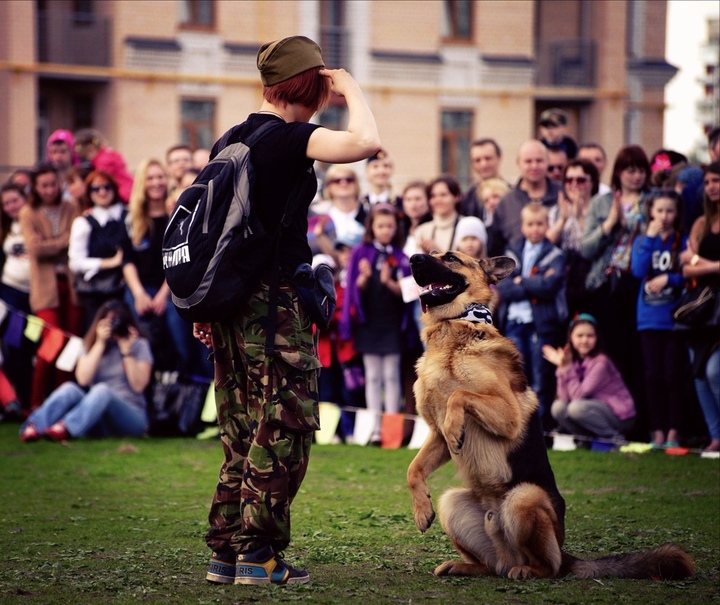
(282, 59)
(553, 117)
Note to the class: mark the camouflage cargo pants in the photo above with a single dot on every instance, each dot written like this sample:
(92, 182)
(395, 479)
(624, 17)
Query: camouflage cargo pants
(267, 411)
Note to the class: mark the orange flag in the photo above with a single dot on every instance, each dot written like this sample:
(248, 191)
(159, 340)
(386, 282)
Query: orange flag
(392, 430)
(52, 343)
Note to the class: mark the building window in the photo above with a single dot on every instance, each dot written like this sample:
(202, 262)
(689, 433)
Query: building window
(197, 127)
(458, 20)
(334, 33)
(197, 14)
(83, 106)
(455, 144)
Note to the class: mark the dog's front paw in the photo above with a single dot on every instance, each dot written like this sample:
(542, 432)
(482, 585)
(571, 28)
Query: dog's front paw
(446, 568)
(522, 572)
(424, 515)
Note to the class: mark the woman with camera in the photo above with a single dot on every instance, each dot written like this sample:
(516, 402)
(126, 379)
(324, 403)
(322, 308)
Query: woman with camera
(111, 375)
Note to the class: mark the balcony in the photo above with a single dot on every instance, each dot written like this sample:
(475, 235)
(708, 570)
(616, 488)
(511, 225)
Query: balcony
(72, 38)
(567, 63)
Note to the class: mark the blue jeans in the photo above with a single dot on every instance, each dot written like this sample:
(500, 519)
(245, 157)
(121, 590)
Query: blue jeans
(540, 374)
(708, 392)
(97, 413)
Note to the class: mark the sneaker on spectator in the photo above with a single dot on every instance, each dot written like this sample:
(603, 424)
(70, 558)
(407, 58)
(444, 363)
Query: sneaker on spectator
(222, 568)
(264, 566)
(57, 432)
(30, 433)
(13, 412)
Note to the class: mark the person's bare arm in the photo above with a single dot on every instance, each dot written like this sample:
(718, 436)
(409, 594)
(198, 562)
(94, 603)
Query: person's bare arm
(360, 140)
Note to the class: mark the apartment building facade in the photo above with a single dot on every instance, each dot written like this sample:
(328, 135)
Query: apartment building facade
(437, 74)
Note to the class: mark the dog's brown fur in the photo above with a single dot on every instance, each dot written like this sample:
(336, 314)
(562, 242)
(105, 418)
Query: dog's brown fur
(508, 520)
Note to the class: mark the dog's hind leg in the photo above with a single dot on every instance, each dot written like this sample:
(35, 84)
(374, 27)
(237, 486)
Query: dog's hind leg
(462, 517)
(531, 526)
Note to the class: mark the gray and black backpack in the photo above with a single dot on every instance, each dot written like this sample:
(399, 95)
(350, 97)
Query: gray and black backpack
(215, 250)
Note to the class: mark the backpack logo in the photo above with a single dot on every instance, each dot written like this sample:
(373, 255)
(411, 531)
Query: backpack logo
(179, 256)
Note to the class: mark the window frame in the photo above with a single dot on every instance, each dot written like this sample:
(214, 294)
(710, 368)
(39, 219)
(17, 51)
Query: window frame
(450, 9)
(451, 140)
(193, 23)
(193, 127)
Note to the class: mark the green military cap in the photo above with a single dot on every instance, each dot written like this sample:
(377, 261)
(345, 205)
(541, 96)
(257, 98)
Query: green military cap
(281, 60)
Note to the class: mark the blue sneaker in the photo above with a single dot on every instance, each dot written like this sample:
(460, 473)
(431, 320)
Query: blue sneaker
(264, 566)
(222, 568)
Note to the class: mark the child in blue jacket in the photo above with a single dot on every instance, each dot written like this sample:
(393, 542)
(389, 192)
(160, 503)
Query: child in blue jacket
(656, 261)
(533, 310)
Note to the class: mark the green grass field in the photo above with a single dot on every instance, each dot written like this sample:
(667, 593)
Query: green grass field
(122, 521)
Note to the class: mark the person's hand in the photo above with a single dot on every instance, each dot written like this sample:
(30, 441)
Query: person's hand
(385, 275)
(557, 356)
(428, 245)
(114, 261)
(364, 267)
(687, 254)
(159, 302)
(103, 330)
(364, 272)
(654, 228)
(143, 303)
(614, 215)
(656, 284)
(564, 205)
(203, 332)
(341, 82)
(125, 342)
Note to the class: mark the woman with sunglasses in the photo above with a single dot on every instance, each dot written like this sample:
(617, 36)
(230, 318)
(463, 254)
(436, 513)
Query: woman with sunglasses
(96, 241)
(341, 216)
(567, 222)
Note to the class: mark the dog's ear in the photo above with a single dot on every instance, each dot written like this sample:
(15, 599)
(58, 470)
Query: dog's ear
(497, 267)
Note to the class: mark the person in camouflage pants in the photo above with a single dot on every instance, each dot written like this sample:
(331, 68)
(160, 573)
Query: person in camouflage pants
(268, 403)
(267, 411)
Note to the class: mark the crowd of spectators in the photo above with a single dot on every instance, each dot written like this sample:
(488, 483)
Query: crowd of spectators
(614, 249)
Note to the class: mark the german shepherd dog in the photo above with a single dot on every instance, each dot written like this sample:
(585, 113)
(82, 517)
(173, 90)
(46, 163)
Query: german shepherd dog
(508, 520)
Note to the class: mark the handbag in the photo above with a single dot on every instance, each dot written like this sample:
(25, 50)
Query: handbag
(316, 291)
(175, 408)
(698, 307)
(109, 282)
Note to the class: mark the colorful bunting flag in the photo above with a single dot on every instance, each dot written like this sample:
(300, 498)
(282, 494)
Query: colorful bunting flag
(364, 426)
(329, 419)
(34, 328)
(14, 332)
(392, 430)
(420, 434)
(52, 343)
(70, 354)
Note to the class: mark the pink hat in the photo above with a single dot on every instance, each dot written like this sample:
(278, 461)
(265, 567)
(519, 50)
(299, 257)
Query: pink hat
(62, 136)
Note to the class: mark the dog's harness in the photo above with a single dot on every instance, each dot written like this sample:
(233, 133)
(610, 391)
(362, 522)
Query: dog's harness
(477, 313)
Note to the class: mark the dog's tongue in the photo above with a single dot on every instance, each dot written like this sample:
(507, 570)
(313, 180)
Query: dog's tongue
(423, 307)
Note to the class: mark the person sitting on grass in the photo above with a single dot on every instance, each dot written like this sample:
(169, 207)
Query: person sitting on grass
(112, 374)
(592, 399)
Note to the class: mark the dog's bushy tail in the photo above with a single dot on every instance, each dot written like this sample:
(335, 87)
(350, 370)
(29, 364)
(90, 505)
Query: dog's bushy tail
(667, 562)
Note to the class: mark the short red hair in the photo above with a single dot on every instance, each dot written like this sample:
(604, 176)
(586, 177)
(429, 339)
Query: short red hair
(308, 88)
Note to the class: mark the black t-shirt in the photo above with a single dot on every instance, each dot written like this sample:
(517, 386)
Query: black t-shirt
(279, 159)
(147, 255)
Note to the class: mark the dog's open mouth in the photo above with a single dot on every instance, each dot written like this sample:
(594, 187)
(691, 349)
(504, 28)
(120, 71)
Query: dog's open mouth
(438, 284)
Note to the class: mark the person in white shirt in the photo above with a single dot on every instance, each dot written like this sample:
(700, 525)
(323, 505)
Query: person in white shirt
(95, 253)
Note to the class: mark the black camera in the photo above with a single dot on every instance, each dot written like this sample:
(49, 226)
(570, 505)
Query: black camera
(118, 327)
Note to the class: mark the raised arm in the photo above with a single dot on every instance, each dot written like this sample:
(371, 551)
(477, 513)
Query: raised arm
(360, 140)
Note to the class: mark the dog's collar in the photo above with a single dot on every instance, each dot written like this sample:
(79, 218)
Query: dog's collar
(477, 313)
